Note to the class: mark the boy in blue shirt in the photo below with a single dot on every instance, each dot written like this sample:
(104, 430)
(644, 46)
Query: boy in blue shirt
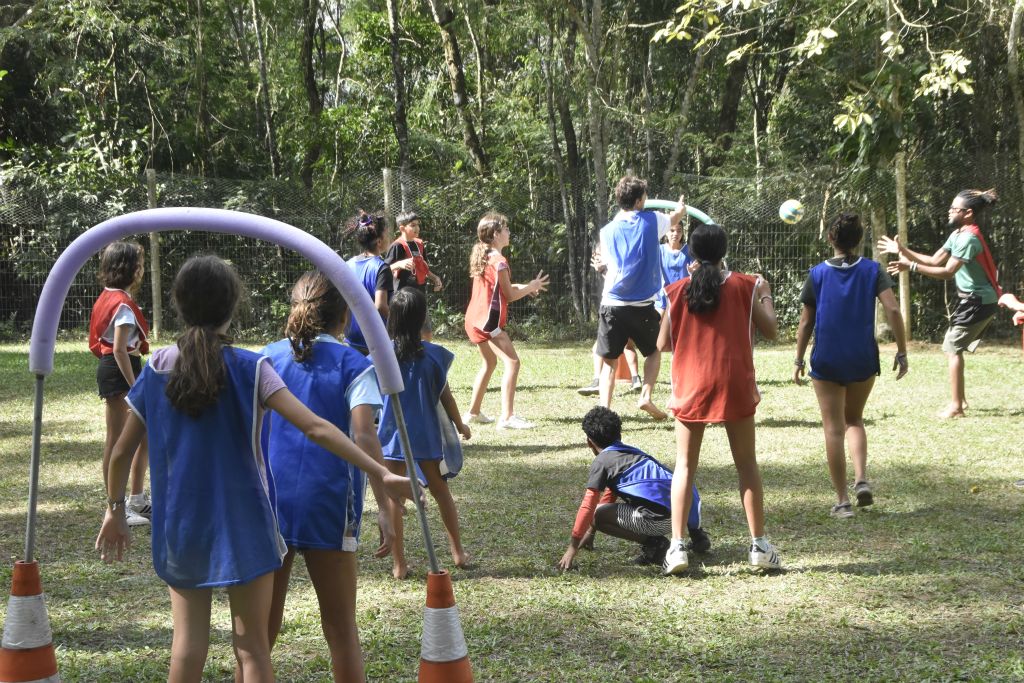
(644, 514)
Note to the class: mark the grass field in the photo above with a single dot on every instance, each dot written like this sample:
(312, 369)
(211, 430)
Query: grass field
(926, 585)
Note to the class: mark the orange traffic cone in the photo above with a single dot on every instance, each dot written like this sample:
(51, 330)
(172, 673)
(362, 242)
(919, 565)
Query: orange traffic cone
(27, 654)
(444, 657)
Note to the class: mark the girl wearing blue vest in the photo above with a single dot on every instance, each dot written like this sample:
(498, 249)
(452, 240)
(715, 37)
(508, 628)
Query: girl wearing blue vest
(375, 274)
(214, 522)
(320, 498)
(839, 305)
(424, 368)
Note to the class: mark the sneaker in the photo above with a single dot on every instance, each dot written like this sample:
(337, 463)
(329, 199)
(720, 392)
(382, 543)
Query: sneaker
(592, 389)
(477, 419)
(515, 422)
(652, 552)
(766, 557)
(862, 490)
(676, 560)
(140, 505)
(1019, 483)
(134, 519)
(842, 511)
(700, 541)
(636, 385)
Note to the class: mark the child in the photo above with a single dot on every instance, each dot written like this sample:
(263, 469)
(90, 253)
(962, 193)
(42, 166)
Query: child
(839, 304)
(424, 369)
(709, 327)
(372, 271)
(644, 485)
(487, 314)
(320, 498)
(675, 259)
(118, 336)
(214, 522)
(407, 257)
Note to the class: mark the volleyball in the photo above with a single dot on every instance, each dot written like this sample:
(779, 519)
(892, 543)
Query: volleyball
(791, 211)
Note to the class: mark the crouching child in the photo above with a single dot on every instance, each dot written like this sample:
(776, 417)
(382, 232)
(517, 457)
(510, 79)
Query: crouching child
(643, 485)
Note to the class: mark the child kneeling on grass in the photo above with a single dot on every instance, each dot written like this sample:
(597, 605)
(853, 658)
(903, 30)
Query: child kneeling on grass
(643, 484)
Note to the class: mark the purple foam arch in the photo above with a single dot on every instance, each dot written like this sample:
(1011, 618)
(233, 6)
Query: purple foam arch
(85, 246)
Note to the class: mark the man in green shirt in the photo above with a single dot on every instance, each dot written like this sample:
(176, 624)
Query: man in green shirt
(966, 260)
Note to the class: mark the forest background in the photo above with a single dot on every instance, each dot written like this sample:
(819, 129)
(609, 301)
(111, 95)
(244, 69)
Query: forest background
(307, 111)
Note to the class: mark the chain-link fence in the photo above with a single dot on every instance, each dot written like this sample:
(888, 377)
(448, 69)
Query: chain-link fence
(39, 219)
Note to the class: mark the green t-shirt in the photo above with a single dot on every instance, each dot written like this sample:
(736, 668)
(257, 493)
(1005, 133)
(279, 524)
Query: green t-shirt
(971, 277)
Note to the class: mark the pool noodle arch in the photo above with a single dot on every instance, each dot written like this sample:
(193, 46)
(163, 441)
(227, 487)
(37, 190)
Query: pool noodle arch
(669, 205)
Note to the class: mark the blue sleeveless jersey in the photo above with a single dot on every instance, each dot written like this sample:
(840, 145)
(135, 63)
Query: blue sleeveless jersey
(213, 498)
(647, 481)
(673, 269)
(425, 377)
(633, 243)
(319, 495)
(845, 349)
(366, 270)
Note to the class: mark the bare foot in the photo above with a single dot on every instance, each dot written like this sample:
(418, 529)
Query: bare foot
(950, 413)
(654, 411)
(460, 559)
(400, 571)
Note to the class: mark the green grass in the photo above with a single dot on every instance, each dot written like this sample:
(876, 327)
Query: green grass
(926, 585)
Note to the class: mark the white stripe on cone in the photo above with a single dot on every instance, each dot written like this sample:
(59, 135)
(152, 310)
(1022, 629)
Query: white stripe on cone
(442, 635)
(27, 625)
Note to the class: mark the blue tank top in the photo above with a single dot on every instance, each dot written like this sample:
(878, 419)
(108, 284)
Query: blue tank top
(319, 495)
(845, 349)
(635, 257)
(425, 377)
(673, 269)
(213, 522)
(647, 481)
(366, 270)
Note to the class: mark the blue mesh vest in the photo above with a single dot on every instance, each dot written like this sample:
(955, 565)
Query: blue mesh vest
(648, 481)
(366, 270)
(845, 349)
(213, 496)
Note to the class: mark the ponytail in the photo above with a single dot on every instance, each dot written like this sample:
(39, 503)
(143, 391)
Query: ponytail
(205, 293)
(491, 223)
(198, 374)
(708, 243)
(316, 306)
(406, 315)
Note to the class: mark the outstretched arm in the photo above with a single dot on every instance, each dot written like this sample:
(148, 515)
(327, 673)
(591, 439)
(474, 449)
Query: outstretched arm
(892, 245)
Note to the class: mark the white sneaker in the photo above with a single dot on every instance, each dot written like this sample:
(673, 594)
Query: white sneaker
(135, 519)
(515, 422)
(676, 559)
(140, 505)
(478, 419)
(766, 557)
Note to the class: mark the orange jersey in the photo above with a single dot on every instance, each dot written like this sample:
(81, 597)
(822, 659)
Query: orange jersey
(713, 354)
(487, 297)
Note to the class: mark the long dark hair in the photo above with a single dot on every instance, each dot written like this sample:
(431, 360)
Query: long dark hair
(708, 244)
(407, 313)
(316, 306)
(119, 264)
(205, 293)
(846, 232)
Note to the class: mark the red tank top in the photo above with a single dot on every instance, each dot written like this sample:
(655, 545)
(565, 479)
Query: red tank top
(103, 312)
(713, 354)
(485, 291)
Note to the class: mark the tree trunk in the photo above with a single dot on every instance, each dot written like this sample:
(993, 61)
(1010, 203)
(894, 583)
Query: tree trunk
(478, 50)
(264, 95)
(202, 111)
(1013, 73)
(400, 120)
(901, 231)
(592, 36)
(878, 228)
(311, 11)
(728, 115)
(457, 78)
(684, 117)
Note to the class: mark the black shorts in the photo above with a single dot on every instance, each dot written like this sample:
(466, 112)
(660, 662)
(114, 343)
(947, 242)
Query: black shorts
(109, 379)
(618, 324)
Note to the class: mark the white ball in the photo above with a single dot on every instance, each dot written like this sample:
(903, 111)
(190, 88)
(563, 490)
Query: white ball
(791, 211)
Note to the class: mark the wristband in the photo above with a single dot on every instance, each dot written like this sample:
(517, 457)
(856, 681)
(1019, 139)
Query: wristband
(913, 266)
(799, 362)
(115, 504)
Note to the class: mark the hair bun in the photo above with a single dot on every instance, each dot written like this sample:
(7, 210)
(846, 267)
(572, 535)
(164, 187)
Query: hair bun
(990, 196)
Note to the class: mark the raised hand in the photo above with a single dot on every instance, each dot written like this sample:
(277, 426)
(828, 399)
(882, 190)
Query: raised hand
(539, 283)
(889, 245)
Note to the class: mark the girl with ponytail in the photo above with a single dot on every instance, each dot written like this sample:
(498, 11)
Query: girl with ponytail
(839, 306)
(371, 233)
(201, 402)
(709, 327)
(320, 498)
